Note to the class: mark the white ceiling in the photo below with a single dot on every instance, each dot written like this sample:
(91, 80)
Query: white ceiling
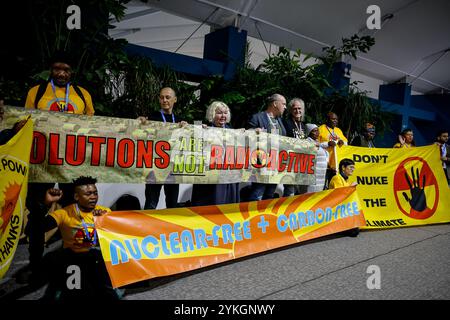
(410, 46)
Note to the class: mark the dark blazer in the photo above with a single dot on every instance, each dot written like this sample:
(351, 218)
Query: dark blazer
(447, 163)
(261, 120)
(447, 147)
(360, 141)
(290, 127)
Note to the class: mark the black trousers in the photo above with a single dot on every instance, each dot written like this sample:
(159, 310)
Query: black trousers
(64, 265)
(153, 191)
(35, 227)
(329, 174)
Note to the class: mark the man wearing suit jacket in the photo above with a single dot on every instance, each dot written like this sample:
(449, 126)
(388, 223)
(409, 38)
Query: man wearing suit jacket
(270, 122)
(441, 141)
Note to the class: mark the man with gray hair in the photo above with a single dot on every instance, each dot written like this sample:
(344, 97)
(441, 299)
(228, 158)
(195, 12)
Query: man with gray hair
(293, 123)
(295, 128)
(268, 121)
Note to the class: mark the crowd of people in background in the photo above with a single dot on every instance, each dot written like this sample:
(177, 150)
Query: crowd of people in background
(78, 201)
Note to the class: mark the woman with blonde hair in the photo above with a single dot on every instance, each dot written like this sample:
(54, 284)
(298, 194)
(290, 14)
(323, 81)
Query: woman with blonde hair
(218, 116)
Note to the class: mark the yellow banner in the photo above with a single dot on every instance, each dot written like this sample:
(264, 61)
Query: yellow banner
(14, 168)
(139, 245)
(400, 187)
(125, 151)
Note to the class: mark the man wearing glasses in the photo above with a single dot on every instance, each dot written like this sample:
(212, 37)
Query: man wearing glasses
(268, 121)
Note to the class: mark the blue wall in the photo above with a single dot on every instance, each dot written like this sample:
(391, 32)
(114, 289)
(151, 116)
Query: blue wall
(424, 114)
(440, 105)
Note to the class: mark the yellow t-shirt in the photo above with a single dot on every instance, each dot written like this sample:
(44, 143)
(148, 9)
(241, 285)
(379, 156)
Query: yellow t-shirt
(327, 134)
(49, 102)
(405, 145)
(72, 230)
(338, 181)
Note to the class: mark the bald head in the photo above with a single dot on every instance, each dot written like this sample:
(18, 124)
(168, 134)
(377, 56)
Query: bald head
(167, 99)
(169, 89)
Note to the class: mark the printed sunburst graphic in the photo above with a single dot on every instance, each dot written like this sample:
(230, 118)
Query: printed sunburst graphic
(11, 195)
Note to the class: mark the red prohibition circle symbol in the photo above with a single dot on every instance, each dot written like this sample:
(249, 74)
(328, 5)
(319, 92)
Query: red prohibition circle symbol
(258, 158)
(414, 184)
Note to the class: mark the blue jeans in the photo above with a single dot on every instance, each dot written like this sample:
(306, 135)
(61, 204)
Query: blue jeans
(294, 189)
(262, 191)
(289, 190)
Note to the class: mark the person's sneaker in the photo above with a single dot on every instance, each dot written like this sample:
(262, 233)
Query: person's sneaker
(120, 293)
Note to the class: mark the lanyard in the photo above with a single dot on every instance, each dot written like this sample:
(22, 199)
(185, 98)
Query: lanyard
(66, 106)
(275, 125)
(298, 126)
(333, 135)
(298, 131)
(164, 118)
(85, 228)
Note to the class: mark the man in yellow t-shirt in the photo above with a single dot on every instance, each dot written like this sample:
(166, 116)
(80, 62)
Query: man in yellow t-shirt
(330, 136)
(58, 94)
(80, 243)
(76, 221)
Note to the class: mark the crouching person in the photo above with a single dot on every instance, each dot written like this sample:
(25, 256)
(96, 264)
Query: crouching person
(346, 169)
(78, 270)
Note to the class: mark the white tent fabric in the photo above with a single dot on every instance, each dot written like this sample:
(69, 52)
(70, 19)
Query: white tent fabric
(412, 45)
